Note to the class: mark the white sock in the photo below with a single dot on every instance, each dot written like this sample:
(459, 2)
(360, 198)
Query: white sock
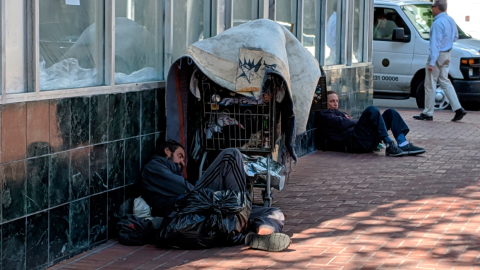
(403, 144)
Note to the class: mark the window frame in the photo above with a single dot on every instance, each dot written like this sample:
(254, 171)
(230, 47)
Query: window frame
(31, 85)
(3, 89)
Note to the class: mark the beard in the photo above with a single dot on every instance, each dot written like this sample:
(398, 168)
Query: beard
(171, 159)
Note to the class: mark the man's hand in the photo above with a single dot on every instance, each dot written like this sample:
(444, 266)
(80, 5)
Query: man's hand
(348, 116)
(430, 68)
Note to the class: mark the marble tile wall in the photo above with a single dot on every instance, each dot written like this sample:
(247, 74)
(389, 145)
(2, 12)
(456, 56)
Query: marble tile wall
(65, 174)
(66, 168)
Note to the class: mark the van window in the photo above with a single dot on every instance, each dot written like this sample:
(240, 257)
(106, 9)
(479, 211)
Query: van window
(422, 18)
(384, 21)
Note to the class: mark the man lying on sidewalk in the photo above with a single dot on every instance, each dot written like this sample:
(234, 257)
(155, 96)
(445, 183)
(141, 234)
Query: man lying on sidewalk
(344, 134)
(162, 185)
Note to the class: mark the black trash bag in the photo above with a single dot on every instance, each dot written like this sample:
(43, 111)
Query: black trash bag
(135, 231)
(206, 218)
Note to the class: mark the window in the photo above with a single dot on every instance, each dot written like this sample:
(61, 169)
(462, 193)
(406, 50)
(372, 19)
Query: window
(188, 21)
(422, 18)
(285, 14)
(333, 36)
(242, 12)
(358, 28)
(1, 46)
(138, 41)
(310, 24)
(71, 44)
(385, 20)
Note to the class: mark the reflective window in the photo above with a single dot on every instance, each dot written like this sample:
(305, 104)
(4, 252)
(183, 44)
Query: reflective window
(358, 30)
(384, 21)
(1, 44)
(310, 23)
(283, 13)
(71, 44)
(187, 25)
(138, 41)
(333, 37)
(242, 12)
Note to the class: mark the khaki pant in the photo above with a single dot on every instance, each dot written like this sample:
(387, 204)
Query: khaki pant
(440, 76)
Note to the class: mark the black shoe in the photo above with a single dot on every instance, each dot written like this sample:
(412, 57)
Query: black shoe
(459, 114)
(268, 242)
(411, 149)
(393, 150)
(423, 116)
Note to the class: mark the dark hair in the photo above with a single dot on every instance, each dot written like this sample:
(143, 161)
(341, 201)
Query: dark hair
(330, 92)
(441, 5)
(171, 145)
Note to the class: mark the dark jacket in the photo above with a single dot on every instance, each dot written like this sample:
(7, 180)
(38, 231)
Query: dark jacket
(161, 185)
(335, 127)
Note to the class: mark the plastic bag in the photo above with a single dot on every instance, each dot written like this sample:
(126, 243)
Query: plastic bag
(136, 231)
(257, 165)
(141, 209)
(207, 218)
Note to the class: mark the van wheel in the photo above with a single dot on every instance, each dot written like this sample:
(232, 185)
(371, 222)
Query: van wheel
(441, 100)
(420, 95)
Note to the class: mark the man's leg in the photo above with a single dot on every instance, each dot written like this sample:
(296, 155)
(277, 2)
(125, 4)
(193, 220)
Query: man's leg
(266, 218)
(266, 223)
(447, 87)
(225, 173)
(368, 133)
(430, 88)
(394, 122)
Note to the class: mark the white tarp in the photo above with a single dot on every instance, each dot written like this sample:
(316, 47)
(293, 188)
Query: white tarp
(266, 45)
(239, 59)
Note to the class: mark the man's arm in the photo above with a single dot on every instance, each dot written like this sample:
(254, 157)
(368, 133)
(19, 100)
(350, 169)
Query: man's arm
(435, 41)
(337, 120)
(157, 177)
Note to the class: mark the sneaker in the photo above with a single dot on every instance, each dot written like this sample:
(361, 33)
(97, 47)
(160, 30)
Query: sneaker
(459, 114)
(411, 149)
(423, 116)
(379, 147)
(268, 242)
(394, 151)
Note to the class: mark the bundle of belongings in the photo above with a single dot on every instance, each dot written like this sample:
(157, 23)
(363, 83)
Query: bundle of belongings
(241, 62)
(256, 64)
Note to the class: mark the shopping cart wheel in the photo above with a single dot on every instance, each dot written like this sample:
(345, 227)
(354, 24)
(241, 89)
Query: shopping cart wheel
(267, 202)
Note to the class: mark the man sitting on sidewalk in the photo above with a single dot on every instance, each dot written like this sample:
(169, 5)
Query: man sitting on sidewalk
(342, 133)
(162, 185)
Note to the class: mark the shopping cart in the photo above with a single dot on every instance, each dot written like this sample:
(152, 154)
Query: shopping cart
(230, 120)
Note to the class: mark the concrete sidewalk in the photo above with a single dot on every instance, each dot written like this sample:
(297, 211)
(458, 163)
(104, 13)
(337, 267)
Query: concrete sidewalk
(356, 211)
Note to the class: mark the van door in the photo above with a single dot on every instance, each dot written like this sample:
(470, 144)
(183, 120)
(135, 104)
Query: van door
(392, 60)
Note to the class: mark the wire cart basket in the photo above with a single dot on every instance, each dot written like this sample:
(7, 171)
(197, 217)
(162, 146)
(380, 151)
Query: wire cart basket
(233, 120)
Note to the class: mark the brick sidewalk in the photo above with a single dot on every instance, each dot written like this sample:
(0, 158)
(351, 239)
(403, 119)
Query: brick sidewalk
(356, 211)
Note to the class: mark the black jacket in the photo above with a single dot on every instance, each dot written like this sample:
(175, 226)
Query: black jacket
(335, 127)
(161, 185)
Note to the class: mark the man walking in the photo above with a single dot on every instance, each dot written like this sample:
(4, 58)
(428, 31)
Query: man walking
(442, 35)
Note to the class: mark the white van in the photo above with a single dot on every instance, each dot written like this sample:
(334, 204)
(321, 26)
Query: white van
(400, 52)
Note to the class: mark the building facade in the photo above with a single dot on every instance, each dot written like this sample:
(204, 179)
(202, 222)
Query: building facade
(83, 102)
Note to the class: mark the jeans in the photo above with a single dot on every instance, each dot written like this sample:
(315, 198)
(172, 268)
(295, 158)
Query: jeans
(372, 127)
